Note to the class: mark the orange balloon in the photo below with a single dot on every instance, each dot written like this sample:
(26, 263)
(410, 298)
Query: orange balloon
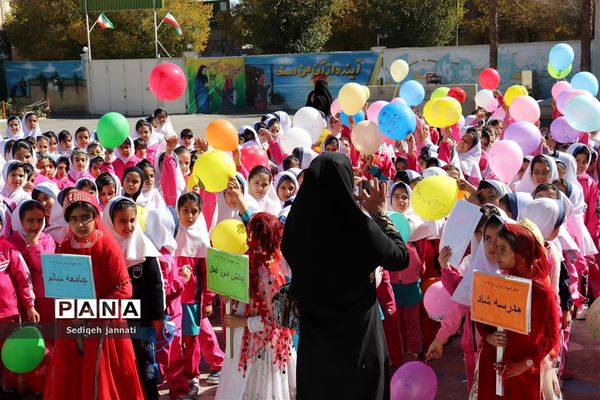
(222, 135)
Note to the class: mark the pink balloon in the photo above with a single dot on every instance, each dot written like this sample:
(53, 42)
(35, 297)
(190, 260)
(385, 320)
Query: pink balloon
(374, 109)
(335, 107)
(526, 134)
(388, 140)
(437, 301)
(414, 380)
(505, 158)
(398, 100)
(251, 156)
(167, 81)
(525, 108)
(562, 132)
(559, 87)
(566, 96)
(491, 106)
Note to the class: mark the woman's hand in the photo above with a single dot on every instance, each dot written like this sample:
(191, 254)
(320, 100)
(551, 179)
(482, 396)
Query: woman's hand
(186, 273)
(435, 351)
(497, 339)
(234, 321)
(376, 201)
(32, 315)
(445, 254)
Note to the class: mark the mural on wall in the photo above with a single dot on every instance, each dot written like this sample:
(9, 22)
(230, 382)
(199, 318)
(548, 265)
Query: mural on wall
(284, 81)
(463, 64)
(216, 85)
(36, 79)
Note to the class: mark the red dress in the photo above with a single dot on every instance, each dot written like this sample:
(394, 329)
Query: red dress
(107, 366)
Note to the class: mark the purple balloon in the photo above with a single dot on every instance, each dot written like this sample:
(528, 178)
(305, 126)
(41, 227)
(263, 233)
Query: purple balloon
(562, 132)
(414, 380)
(526, 134)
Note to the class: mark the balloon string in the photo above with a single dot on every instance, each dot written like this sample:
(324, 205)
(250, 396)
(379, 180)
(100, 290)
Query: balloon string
(396, 90)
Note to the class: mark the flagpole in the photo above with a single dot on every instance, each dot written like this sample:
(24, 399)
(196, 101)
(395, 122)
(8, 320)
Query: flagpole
(155, 31)
(88, 30)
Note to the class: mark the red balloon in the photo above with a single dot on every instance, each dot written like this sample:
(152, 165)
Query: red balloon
(489, 78)
(167, 81)
(251, 156)
(458, 94)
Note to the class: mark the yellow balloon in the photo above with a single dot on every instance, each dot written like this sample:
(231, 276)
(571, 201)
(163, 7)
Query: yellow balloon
(213, 168)
(513, 92)
(434, 197)
(442, 111)
(230, 235)
(367, 91)
(399, 70)
(352, 98)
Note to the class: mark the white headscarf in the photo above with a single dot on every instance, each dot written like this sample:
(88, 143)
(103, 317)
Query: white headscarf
(9, 134)
(131, 154)
(193, 241)
(137, 247)
(49, 188)
(517, 203)
(73, 173)
(545, 213)
(59, 227)
(167, 129)
(284, 120)
(18, 194)
(279, 178)
(419, 228)
(306, 155)
(155, 137)
(527, 184)
(165, 224)
(36, 132)
(150, 199)
(575, 147)
(469, 160)
(17, 224)
(434, 171)
(81, 181)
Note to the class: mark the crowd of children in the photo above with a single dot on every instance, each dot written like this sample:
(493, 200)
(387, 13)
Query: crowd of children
(130, 209)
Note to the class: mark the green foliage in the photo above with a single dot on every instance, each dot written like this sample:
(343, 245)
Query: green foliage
(55, 30)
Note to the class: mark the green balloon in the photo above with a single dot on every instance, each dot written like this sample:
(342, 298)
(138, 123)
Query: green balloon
(401, 224)
(559, 74)
(23, 350)
(112, 129)
(439, 92)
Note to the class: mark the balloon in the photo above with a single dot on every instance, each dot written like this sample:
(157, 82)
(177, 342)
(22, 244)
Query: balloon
(310, 120)
(230, 235)
(374, 110)
(489, 78)
(593, 319)
(367, 91)
(222, 135)
(295, 137)
(214, 168)
(562, 132)
(492, 106)
(398, 100)
(414, 380)
(112, 130)
(439, 92)
(503, 158)
(526, 134)
(442, 112)
(412, 92)
(23, 350)
(434, 197)
(461, 122)
(167, 81)
(583, 113)
(458, 94)
(560, 87)
(399, 70)
(566, 96)
(484, 97)
(559, 74)
(401, 223)
(426, 284)
(561, 56)
(359, 116)
(251, 156)
(396, 121)
(586, 81)
(513, 92)
(352, 98)
(335, 107)
(525, 108)
(437, 301)
(366, 137)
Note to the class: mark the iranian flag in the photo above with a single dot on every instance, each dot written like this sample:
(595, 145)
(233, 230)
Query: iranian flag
(104, 22)
(170, 19)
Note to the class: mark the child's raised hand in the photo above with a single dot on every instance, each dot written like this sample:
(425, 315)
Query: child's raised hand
(445, 254)
(200, 144)
(32, 315)
(171, 143)
(497, 339)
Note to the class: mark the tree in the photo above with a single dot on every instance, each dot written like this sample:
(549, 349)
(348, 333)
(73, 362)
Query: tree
(493, 15)
(281, 26)
(587, 27)
(55, 30)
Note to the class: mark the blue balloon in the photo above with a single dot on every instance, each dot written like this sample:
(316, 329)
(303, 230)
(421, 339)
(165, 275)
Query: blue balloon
(396, 121)
(359, 116)
(561, 56)
(583, 113)
(586, 81)
(412, 92)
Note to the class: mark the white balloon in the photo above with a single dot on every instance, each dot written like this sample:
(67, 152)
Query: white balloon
(366, 137)
(399, 70)
(310, 119)
(461, 122)
(295, 137)
(484, 97)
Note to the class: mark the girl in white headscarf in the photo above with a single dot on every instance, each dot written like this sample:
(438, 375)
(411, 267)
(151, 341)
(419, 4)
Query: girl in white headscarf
(30, 125)
(286, 186)
(469, 154)
(542, 169)
(261, 194)
(14, 128)
(14, 178)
